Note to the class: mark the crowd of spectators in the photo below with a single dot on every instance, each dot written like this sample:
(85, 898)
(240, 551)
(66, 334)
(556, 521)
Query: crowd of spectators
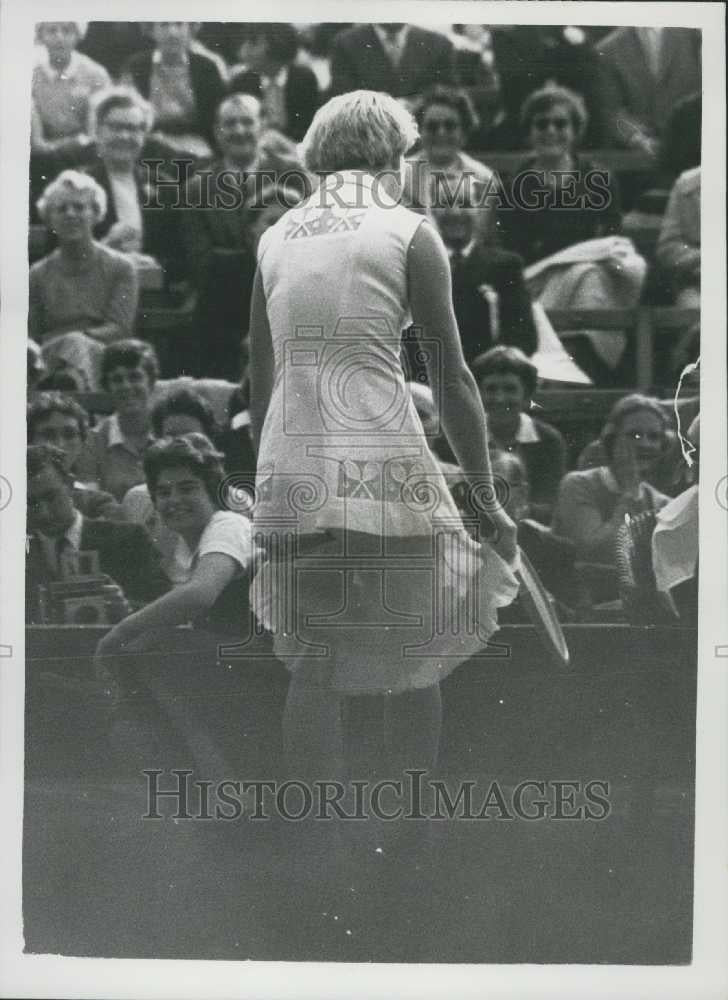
(117, 107)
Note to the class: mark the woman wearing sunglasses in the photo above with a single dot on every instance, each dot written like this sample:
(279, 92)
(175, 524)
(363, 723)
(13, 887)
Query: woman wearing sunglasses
(564, 220)
(558, 197)
(440, 174)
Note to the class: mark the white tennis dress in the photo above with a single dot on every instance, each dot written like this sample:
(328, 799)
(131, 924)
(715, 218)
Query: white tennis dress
(367, 567)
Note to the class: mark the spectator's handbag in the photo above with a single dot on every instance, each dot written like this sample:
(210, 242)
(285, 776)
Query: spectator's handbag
(642, 602)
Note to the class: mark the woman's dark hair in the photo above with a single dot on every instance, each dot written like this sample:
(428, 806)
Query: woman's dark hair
(188, 403)
(46, 404)
(549, 97)
(452, 97)
(129, 354)
(632, 403)
(190, 451)
(508, 361)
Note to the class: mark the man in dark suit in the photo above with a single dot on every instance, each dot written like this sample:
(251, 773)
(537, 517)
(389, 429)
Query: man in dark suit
(644, 72)
(489, 292)
(289, 93)
(218, 233)
(400, 59)
(58, 533)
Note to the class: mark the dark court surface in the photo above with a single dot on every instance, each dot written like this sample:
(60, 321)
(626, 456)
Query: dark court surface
(101, 881)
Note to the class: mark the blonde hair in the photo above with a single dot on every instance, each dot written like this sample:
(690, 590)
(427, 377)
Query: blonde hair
(361, 130)
(72, 180)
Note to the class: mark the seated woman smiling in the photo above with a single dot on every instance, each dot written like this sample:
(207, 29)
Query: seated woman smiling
(592, 504)
(181, 667)
(185, 477)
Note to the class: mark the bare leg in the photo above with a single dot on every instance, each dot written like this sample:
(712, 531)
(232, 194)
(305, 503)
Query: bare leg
(412, 724)
(312, 724)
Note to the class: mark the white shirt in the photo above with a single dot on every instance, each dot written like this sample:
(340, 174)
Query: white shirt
(273, 99)
(675, 540)
(126, 199)
(527, 432)
(226, 532)
(394, 44)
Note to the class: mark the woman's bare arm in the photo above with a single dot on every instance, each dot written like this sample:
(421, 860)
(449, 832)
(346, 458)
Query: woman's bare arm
(453, 386)
(261, 360)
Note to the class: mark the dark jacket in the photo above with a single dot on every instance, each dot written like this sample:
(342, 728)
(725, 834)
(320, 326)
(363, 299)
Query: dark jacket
(207, 85)
(536, 232)
(358, 61)
(526, 58)
(218, 253)
(126, 554)
(301, 96)
(160, 222)
(503, 271)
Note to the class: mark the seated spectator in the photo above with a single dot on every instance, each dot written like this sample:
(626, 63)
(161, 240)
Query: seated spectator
(184, 477)
(63, 82)
(592, 504)
(440, 175)
(644, 72)
(183, 86)
(489, 291)
(58, 420)
(114, 449)
(288, 92)
(176, 414)
(558, 196)
(507, 381)
(563, 221)
(218, 234)
(399, 59)
(678, 246)
(668, 474)
(675, 543)
(59, 533)
(137, 218)
(520, 59)
(82, 295)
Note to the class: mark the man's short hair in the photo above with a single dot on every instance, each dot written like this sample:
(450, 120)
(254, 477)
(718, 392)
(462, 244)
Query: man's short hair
(129, 354)
(504, 360)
